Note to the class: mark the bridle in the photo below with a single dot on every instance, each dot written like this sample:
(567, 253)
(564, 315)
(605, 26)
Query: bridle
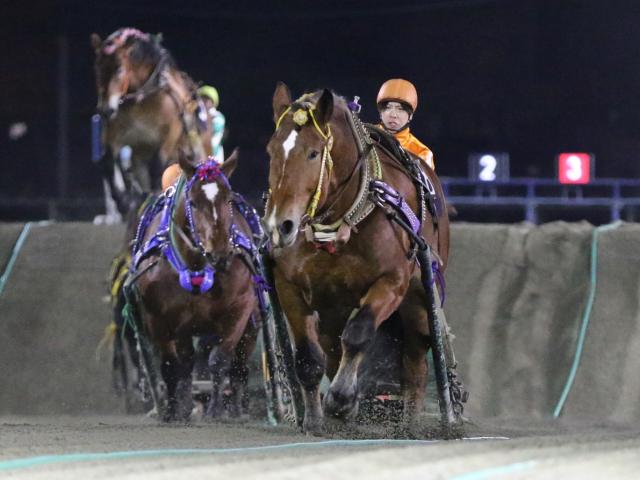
(301, 118)
(154, 82)
(367, 163)
(206, 172)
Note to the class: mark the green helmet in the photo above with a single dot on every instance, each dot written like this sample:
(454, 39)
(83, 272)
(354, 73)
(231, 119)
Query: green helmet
(211, 93)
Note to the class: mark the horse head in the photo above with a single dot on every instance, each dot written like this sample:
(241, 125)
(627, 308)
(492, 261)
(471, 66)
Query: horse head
(300, 152)
(124, 62)
(208, 207)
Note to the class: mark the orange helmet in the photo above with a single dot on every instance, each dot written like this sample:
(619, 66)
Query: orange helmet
(170, 175)
(398, 90)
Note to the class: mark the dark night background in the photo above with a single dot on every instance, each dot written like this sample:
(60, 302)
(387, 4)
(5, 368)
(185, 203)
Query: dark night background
(531, 77)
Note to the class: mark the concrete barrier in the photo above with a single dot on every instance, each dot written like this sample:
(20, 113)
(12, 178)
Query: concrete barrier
(516, 299)
(53, 315)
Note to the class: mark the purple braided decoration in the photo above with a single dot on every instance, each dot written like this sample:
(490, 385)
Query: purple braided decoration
(206, 172)
(250, 215)
(149, 213)
(390, 196)
(115, 42)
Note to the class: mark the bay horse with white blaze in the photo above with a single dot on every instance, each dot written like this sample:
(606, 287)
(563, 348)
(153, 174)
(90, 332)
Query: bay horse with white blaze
(149, 108)
(194, 268)
(342, 267)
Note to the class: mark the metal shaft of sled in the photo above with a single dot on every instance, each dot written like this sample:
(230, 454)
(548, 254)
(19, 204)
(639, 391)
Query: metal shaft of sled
(145, 356)
(437, 343)
(282, 335)
(274, 409)
(146, 360)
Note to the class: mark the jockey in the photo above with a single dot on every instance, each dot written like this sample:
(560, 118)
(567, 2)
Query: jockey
(397, 101)
(170, 175)
(211, 100)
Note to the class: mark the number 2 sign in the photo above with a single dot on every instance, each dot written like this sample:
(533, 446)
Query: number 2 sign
(489, 167)
(575, 168)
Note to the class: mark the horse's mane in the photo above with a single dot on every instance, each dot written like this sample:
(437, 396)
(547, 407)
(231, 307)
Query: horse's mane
(310, 99)
(146, 48)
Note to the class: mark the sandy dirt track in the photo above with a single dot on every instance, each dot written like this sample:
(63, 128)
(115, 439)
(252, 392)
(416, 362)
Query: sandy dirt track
(140, 448)
(516, 300)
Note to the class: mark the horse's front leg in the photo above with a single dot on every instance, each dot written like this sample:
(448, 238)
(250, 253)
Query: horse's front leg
(220, 360)
(341, 401)
(309, 357)
(416, 343)
(177, 363)
(239, 375)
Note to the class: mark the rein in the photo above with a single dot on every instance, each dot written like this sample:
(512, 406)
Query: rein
(150, 85)
(372, 169)
(372, 193)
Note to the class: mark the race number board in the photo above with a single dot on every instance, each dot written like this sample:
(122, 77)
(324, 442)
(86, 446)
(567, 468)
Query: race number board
(489, 166)
(575, 168)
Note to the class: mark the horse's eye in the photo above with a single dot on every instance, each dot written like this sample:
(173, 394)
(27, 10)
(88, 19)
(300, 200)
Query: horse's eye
(313, 155)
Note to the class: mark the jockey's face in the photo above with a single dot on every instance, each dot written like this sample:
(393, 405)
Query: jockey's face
(394, 116)
(208, 103)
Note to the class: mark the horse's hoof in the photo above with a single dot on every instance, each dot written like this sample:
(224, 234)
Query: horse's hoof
(197, 413)
(215, 409)
(168, 417)
(341, 406)
(313, 426)
(153, 413)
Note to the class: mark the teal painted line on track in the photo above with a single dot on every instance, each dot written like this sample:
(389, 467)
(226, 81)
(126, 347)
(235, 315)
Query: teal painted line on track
(586, 317)
(14, 255)
(496, 471)
(19, 463)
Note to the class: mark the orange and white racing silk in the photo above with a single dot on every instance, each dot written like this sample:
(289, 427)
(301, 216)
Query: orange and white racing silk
(170, 175)
(415, 146)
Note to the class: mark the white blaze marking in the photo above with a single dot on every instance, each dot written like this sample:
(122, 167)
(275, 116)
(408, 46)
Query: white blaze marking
(271, 226)
(271, 221)
(289, 143)
(210, 190)
(114, 101)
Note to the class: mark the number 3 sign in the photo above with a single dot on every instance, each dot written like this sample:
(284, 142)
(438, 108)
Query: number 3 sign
(575, 168)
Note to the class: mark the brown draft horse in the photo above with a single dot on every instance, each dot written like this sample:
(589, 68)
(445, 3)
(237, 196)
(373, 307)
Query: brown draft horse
(195, 279)
(148, 105)
(336, 294)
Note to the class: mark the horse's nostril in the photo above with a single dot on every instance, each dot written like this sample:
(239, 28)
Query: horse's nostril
(286, 228)
(106, 112)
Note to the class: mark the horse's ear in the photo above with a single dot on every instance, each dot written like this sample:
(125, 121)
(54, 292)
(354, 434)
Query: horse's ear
(157, 38)
(230, 164)
(324, 107)
(281, 100)
(96, 42)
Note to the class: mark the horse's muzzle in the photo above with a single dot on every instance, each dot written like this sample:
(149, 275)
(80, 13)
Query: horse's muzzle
(284, 235)
(287, 233)
(106, 112)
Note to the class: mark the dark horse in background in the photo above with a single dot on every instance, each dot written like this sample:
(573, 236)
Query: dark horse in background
(342, 267)
(151, 114)
(194, 271)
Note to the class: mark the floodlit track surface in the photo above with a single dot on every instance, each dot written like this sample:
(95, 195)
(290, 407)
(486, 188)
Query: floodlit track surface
(516, 302)
(135, 447)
